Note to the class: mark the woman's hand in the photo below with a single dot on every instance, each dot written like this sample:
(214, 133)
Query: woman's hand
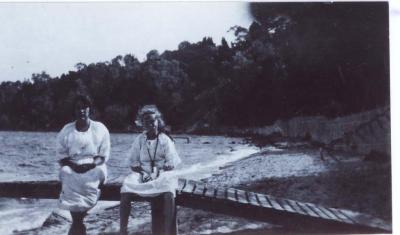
(80, 169)
(168, 167)
(145, 177)
(98, 160)
(137, 169)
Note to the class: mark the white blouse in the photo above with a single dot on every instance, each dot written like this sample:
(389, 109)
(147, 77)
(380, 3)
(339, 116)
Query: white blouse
(83, 146)
(161, 151)
(142, 153)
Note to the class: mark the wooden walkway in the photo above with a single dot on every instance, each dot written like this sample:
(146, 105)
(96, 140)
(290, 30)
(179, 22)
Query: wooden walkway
(294, 215)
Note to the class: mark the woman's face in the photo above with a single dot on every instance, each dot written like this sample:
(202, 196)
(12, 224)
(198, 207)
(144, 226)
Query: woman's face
(81, 111)
(150, 123)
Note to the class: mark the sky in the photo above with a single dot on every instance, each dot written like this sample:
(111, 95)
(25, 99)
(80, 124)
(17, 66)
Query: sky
(54, 37)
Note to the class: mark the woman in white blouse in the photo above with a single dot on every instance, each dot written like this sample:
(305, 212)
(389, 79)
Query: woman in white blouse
(83, 147)
(151, 158)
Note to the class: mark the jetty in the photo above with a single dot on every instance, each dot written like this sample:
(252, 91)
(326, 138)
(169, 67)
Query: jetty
(295, 215)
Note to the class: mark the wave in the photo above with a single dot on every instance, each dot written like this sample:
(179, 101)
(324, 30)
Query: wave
(203, 170)
(14, 220)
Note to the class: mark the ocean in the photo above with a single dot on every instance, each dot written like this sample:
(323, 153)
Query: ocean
(27, 156)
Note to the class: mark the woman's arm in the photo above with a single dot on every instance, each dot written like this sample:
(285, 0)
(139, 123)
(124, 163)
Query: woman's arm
(171, 155)
(134, 156)
(66, 162)
(62, 152)
(75, 167)
(104, 148)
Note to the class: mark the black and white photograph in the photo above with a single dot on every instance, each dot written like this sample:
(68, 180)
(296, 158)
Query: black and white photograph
(198, 117)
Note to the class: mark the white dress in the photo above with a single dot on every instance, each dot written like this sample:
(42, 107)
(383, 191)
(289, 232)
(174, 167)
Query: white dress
(142, 152)
(80, 192)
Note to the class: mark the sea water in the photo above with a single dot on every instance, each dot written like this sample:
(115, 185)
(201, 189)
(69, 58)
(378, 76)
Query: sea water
(30, 156)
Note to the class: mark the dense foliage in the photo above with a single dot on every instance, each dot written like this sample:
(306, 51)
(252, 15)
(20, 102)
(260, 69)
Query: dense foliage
(296, 59)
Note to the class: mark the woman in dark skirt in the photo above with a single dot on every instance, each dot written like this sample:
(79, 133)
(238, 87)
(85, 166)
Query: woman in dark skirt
(152, 157)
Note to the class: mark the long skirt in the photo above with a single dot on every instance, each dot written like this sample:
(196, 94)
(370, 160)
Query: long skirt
(80, 192)
(163, 212)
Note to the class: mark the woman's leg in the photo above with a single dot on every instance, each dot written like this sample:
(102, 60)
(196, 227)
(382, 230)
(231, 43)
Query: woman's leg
(163, 214)
(124, 212)
(77, 227)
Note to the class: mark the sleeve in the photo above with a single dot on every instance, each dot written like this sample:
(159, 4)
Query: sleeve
(134, 153)
(105, 146)
(62, 145)
(171, 155)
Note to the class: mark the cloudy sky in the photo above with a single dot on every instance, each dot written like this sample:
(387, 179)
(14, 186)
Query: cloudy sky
(53, 37)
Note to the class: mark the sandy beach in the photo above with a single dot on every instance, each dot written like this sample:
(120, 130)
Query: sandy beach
(298, 173)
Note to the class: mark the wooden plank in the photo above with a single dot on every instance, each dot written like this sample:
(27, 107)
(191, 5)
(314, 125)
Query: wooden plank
(330, 214)
(253, 199)
(231, 195)
(199, 190)
(242, 197)
(285, 205)
(263, 201)
(210, 192)
(274, 203)
(190, 186)
(181, 185)
(221, 193)
(32, 189)
(50, 190)
(341, 216)
(307, 209)
(317, 211)
(296, 207)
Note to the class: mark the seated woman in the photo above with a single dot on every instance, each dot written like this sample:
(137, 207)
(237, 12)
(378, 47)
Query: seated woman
(152, 154)
(83, 147)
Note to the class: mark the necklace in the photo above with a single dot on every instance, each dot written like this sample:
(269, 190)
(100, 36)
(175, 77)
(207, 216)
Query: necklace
(152, 159)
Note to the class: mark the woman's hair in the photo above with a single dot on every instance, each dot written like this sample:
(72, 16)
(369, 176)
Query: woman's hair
(83, 99)
(150, 109)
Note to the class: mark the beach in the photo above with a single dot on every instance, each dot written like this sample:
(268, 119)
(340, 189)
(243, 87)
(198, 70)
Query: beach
(297, 172)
